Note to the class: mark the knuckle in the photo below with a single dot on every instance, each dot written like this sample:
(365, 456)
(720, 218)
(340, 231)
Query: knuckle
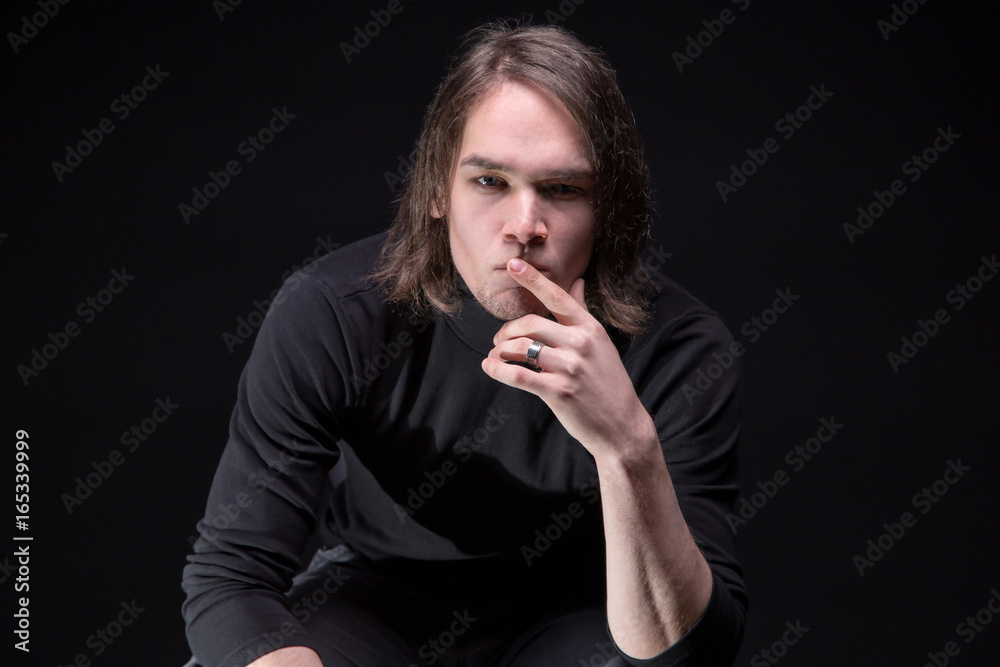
(524, 378)
(572, 365)
(564, 391)
(560, 297)
(594, 329)
(539, 323)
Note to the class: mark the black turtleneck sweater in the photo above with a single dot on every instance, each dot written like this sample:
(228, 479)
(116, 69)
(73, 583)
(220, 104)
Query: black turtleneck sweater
(437, 462)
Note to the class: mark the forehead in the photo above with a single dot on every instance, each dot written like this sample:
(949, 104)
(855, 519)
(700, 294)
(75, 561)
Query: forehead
(521, 127)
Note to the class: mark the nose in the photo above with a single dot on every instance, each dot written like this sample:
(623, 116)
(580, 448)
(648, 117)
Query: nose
(525, 223)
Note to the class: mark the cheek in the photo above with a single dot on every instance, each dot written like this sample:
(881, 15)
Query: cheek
(581, 257)
(581, 230)
(469, 237)
(468, 216)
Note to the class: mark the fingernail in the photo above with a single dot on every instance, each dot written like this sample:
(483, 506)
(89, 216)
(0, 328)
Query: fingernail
(516, 265)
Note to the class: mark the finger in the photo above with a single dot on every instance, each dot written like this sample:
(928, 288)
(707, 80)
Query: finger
(548, 358)
(516, 376)
(535, 327)
(577, 291)
(562, 305)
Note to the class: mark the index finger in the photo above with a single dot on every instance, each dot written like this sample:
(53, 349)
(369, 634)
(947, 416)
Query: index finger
(555, 298)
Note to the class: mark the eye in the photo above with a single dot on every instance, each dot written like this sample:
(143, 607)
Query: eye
(488, 181)
(563, 190)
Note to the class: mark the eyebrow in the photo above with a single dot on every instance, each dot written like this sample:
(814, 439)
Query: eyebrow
(493, 165)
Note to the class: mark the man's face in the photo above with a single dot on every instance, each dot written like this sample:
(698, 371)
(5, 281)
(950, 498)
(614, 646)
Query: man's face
(523, 187)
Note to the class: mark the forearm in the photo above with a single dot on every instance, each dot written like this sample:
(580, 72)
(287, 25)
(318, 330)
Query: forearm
(290, 656)
(658, 581)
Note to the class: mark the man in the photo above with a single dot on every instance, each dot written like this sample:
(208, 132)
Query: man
(489, 412)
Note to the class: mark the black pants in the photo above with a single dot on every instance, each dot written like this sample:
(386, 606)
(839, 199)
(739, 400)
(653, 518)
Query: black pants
(446, 615)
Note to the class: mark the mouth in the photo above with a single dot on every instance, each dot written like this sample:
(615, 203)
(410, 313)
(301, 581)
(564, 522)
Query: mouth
(540, 267)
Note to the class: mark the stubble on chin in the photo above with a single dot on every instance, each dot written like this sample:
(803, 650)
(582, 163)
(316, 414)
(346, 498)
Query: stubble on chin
(509, 304)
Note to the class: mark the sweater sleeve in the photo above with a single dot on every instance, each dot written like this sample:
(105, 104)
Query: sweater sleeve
(690, 384)
(263, 500)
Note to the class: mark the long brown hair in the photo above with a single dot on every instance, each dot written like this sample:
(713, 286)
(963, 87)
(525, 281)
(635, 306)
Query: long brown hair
(416, 266)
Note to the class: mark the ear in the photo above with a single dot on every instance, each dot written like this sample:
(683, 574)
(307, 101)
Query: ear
(438, 210)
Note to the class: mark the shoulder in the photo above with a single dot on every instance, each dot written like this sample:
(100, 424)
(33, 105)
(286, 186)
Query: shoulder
(345, 271)
(327, 319)
(332, 297)
(340, 282)
(335, 302)
(676, 312)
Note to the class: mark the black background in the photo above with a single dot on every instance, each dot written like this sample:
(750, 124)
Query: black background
(324, 176)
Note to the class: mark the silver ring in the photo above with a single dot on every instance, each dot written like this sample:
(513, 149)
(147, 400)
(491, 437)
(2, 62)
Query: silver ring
(533, 350)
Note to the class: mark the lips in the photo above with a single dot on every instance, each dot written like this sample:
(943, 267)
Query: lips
(541, 267)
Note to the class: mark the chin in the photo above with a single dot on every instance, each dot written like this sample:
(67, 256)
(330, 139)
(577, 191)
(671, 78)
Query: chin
(510, 304)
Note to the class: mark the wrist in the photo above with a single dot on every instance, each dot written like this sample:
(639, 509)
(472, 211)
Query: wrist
(636, 448)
